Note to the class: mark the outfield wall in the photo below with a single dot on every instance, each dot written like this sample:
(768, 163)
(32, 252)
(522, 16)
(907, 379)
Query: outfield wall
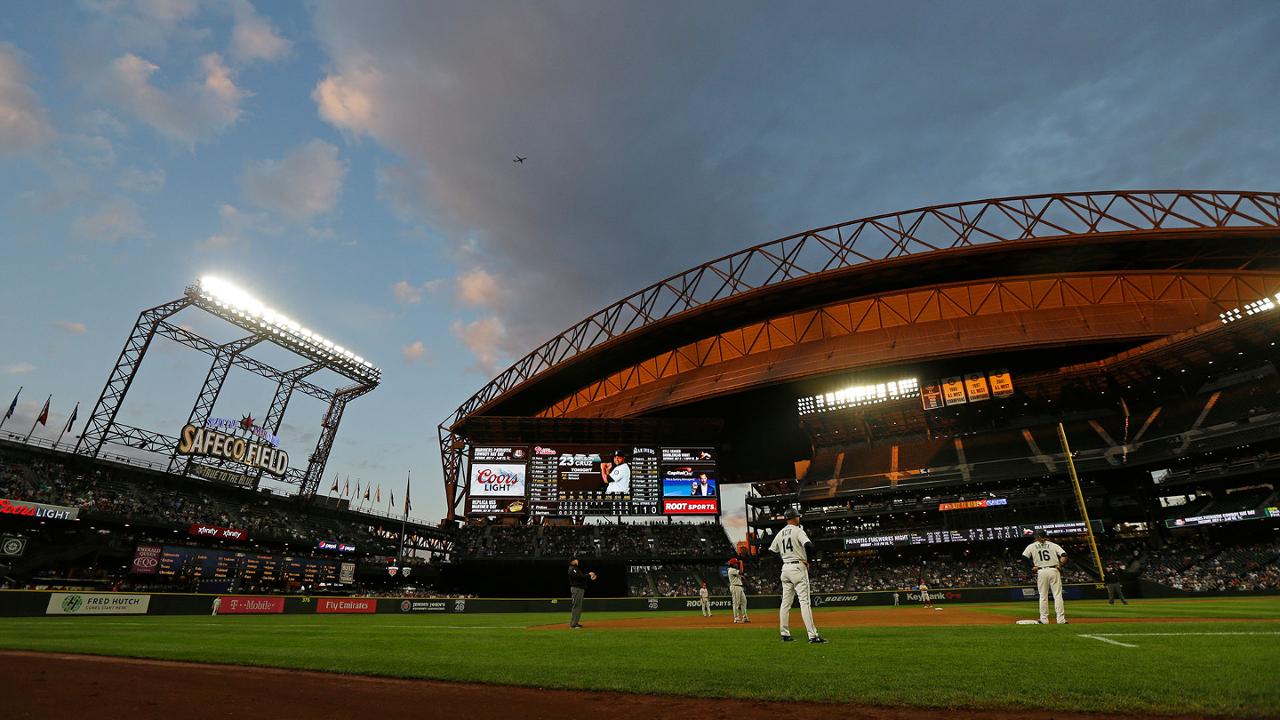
(30, 603)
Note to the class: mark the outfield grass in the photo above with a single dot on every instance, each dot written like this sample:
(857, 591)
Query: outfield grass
(1007, 666)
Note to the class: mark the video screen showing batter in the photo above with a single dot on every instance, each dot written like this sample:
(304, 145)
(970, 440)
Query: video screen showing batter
(594, 480)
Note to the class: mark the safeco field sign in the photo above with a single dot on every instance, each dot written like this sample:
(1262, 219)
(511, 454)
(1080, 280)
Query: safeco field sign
(97, 604)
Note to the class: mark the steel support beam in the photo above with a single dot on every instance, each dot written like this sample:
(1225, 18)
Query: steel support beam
(280, 401)
(213, 382)
(452, 452)
(195, 342)
(98, 426)
(139, 439)
(328, 431)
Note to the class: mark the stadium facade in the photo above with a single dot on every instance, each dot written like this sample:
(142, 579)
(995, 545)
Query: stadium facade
(1089, 286)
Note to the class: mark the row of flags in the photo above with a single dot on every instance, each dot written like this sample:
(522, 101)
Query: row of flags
(369, 492)
(42, 418)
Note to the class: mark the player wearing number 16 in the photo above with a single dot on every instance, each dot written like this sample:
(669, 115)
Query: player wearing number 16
(1048, 559)
(794, 546)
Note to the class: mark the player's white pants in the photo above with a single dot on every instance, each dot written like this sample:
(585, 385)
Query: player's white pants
(739, 601)
(706, 607)
(795, 583)
(1050, 580)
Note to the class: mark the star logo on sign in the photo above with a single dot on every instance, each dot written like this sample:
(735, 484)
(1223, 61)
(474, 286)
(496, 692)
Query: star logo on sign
(246, 423)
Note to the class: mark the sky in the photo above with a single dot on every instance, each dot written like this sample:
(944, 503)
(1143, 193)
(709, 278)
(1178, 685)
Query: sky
(350, 164)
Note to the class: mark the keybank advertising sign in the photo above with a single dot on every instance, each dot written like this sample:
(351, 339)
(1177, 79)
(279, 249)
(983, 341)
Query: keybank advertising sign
(239, 441)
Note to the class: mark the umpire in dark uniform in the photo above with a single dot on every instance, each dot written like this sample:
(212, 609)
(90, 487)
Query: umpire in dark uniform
(1115, 584)
(577, 591)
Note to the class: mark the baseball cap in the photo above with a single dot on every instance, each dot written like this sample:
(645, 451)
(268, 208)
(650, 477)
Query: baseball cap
(619, 453)
(791, 513)
(1042, 533)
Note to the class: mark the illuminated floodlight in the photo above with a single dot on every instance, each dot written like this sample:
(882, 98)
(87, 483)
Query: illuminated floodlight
(242, 304)
(1266, 304)
(860, 396)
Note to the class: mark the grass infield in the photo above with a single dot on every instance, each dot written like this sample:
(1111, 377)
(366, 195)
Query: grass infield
(1215, 659)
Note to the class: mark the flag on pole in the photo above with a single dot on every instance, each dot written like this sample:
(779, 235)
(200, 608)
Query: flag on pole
(407, 504)
(334, 489)
(70, 421)
(357, 495)
(366, 492)
(377, 496)
(346, 488)
(393, 498)
(42, 419)
(13, 405)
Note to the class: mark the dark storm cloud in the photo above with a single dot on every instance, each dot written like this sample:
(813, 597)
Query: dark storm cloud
(664, 134)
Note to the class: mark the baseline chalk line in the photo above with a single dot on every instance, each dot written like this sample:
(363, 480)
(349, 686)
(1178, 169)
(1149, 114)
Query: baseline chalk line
(1180, 634)
(1107, 640)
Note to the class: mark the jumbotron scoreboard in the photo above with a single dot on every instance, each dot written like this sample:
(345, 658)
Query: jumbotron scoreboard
(595, 480)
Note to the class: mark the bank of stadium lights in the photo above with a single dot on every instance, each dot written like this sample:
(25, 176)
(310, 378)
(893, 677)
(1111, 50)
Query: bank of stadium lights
(1253, 308)
(239, 302)
(860, 396)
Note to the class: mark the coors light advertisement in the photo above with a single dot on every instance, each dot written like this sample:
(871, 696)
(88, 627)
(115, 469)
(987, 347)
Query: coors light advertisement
(497, 481)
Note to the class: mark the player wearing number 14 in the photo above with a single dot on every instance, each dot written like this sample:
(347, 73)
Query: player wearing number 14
(1048, 559)
(794, 546)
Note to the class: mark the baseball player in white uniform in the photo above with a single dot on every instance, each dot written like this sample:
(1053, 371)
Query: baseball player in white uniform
(794, 546)
(616, 475)
(704, 599)
(1048, 558)
(924, 595)
(217, 603)
(737, 591)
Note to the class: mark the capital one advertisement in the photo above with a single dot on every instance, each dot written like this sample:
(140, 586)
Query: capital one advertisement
(690, 481)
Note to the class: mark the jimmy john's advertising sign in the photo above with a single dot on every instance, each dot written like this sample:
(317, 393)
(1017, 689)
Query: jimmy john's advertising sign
(238, 441)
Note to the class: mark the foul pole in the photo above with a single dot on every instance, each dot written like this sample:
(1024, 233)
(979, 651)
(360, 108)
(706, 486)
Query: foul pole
(1084, 511)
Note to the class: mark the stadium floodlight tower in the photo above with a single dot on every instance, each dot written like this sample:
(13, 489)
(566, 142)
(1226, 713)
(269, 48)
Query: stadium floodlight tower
(241, 309)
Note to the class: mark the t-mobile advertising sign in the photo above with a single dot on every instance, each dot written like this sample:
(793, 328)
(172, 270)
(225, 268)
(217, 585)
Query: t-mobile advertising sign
(247, 605)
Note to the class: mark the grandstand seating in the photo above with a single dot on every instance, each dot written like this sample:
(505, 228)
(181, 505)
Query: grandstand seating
(1187, 564)
(630, 541)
